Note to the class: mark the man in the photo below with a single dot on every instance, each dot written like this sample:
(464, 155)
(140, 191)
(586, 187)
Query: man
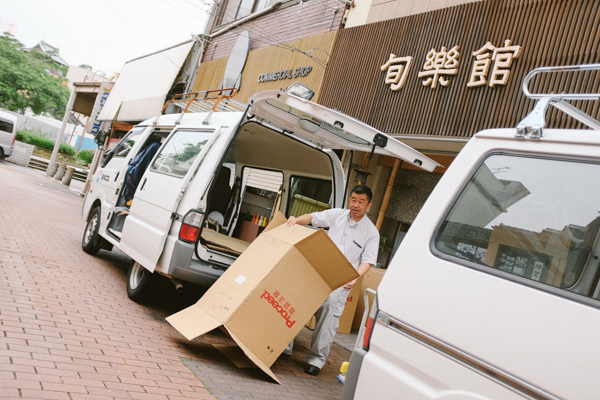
(358, 239)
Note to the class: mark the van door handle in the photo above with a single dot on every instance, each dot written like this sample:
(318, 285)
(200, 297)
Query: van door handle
(116, 176)
(143, 183)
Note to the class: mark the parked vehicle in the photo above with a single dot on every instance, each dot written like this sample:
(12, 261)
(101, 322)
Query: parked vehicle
(209, 181)
(8, 133)
(494, 293)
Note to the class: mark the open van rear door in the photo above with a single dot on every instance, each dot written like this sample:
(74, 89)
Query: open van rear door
(330, 129)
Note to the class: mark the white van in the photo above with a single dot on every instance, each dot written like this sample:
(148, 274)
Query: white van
(8, 133)
(217, 178)
(494, 293)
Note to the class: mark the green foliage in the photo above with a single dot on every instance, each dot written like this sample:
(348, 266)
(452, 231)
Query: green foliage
(25, 80)
(86, 155)
(88, 67)
(385, 244)
(44, 143)
(66, 149)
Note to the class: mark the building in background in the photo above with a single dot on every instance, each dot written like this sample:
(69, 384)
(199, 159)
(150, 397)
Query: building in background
(53, 53)
(262, 45)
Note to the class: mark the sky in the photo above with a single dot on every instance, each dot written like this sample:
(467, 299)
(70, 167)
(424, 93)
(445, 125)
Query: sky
(104, 34)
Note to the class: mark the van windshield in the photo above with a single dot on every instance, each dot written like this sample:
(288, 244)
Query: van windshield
(530, 217)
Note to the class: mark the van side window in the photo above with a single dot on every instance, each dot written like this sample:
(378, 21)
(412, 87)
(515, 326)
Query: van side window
(529, 217)
(308, 195)
(6, 126)
(180, 152)
(125, 145)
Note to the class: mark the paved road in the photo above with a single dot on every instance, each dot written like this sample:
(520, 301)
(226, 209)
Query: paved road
(68, 330)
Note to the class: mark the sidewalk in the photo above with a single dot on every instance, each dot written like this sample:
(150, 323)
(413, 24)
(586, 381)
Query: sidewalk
(68, 330)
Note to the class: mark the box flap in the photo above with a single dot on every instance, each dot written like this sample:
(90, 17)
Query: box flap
(254, 357)
(192, 322)
(290, 235)
(327, 259)
(278, 219)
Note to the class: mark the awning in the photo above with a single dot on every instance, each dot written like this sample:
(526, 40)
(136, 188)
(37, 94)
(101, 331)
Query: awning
(143, 85)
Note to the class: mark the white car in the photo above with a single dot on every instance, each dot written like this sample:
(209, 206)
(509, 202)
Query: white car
(494, 293)
(210, 181)
(8, 133)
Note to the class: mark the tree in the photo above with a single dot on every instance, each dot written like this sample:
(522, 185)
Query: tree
(88, 67)
(26, 80)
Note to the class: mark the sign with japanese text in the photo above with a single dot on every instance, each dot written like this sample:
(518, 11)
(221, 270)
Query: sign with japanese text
(440, 65)
(94, 124)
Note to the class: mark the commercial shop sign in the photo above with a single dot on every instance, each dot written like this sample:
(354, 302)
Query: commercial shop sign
(440, 65)
(284, 74)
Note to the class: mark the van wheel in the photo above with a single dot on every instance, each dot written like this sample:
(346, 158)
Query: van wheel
(91, 241)
(139, 282)
(1, 153)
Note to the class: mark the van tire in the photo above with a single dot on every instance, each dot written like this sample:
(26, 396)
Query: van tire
(139, 282)
(1, 153)
(91, 242)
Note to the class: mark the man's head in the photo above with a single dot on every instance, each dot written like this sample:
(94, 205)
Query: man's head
(360, 201)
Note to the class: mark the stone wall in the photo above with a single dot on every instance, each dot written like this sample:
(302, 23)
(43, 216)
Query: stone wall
(411, 189)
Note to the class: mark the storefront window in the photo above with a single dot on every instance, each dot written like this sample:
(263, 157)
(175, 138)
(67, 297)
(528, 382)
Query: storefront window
(247, 7)
(308, 195)
(529, 217)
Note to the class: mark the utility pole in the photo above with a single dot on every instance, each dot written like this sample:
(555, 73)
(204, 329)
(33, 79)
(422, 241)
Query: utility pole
(51, 165)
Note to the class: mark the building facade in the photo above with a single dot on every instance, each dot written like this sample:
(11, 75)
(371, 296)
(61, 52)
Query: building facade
(434, 79)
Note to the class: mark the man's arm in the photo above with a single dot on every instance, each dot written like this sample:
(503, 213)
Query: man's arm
(362, 269)
(301, 220)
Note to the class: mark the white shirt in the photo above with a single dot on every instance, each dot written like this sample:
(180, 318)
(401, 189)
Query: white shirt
(358, 241)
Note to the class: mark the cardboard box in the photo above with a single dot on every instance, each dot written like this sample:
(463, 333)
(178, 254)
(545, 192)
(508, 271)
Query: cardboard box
(348, 314)
(266, 295)
(351, 303)
(370, 280)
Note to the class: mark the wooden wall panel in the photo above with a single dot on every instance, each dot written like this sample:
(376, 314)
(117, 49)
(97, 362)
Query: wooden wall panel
(271, 59)
(550, 32)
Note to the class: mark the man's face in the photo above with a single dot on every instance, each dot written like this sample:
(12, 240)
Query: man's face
(359, 204)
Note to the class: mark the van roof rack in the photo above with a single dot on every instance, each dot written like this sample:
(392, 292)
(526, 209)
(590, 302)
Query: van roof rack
(207, 101)
(532, 126)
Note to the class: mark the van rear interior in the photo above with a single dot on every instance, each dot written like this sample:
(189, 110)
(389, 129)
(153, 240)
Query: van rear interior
(263, 172)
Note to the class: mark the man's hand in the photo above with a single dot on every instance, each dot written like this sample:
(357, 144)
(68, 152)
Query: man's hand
(301, 220)
(350, 285)
(292, 221)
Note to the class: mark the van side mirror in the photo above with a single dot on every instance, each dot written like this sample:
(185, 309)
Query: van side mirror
(100, 138)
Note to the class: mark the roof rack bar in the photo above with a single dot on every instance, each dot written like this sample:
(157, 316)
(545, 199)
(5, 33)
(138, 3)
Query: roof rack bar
(532, 126)
(205, 101)
(564, 68)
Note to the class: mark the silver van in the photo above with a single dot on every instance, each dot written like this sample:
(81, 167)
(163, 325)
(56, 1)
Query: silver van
(494, 293)
(184, 194)
(8, 133)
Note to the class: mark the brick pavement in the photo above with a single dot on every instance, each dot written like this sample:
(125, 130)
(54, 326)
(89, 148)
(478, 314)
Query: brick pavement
(68, 330)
